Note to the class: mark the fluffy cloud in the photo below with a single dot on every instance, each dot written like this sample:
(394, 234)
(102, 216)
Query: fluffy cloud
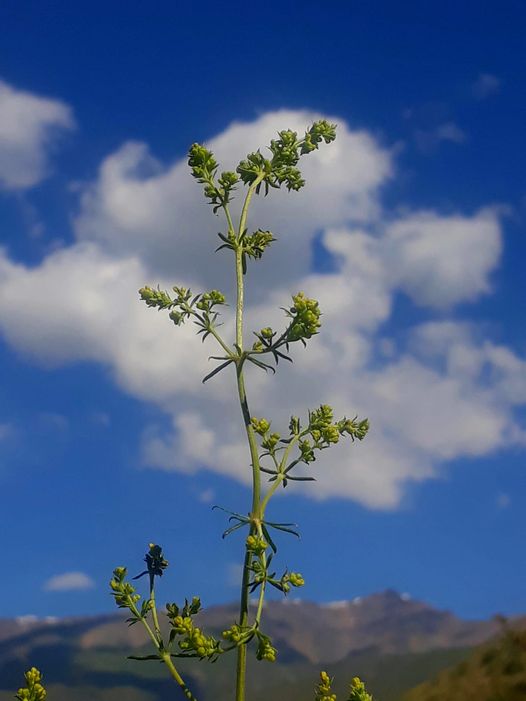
(158, 213)
(445, 394)
(427, 255)
(69, 581)
(28, 127)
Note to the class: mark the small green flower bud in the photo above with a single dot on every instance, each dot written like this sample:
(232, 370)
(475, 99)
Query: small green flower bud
(357, 691)
(294, 426)
(354, 428)
(155, 298)
(296, 579)
(260, 426)
(265, 649)
(323, 689)
(270, 442)
(176, 317)
(256, 544)
(233, 634)
(331, 434)
(34, 690)
(267, 332)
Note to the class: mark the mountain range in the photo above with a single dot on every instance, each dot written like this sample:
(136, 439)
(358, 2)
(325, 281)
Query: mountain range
(391, 640)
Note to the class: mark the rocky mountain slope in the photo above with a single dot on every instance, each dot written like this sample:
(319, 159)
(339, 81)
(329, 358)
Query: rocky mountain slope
(395, 641)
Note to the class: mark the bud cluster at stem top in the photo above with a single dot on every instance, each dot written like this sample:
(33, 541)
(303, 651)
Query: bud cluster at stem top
(324, 430)
(281, 167)
(204, 167)
(323, 689)
(34, 690)
(357, 692)
(305, 314)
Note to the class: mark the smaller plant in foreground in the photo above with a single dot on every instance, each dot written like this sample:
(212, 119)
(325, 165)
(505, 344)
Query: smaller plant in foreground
(323, 691)
(34, 690)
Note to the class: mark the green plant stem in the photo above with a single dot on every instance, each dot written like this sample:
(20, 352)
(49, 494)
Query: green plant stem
(256, 473)
(263, 587)
(241, 664)
(165, 656)
(211, 329)
(178, 678)
(255, 517)
(229, 221)
(239, 260)
(221, 342)
(157, 627)
(281, 474)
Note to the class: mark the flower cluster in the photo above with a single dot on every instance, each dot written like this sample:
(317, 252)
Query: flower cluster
(323, 431)
(183, 305)
(357, 691)
(323, 689)
(261, 573)
(318, 132)
(256, 544)
(204, 168)
(305, 315)
(281, 168)
(260, 426)
(235, 634)
(123, 592)
(34, 690)
(155, 298)
(265, 650)
(194, 642)
(254, 244)
(209, 299)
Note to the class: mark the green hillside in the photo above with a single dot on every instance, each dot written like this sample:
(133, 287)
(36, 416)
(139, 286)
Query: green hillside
(495, 672)
(107, 676)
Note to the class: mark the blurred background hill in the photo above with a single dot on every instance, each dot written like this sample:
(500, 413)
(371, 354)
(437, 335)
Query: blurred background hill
(404, 649)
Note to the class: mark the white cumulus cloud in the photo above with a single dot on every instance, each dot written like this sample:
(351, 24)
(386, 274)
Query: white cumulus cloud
(442, 393)
(69, 581)
(29, 125)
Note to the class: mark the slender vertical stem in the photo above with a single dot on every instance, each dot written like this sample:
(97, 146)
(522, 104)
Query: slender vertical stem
(154, 608)
(256, 473)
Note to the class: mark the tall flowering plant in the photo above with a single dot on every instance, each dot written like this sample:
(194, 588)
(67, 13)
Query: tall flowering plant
(274, 455)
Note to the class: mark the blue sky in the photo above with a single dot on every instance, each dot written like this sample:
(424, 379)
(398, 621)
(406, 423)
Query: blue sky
(410, 231)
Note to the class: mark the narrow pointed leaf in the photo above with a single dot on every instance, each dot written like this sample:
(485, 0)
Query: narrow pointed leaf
(214, 372)
(143, 657)
(286, 530)
(260, 364)
(268, 538)
(232, 529)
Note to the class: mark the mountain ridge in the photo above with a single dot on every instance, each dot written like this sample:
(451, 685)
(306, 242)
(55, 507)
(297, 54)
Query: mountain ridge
(393, 641)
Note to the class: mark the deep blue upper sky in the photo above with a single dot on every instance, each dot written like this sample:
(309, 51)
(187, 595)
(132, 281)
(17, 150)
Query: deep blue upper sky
(74, 495)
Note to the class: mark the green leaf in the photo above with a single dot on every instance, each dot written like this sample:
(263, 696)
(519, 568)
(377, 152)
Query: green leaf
(214, 372)
(144, 657)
